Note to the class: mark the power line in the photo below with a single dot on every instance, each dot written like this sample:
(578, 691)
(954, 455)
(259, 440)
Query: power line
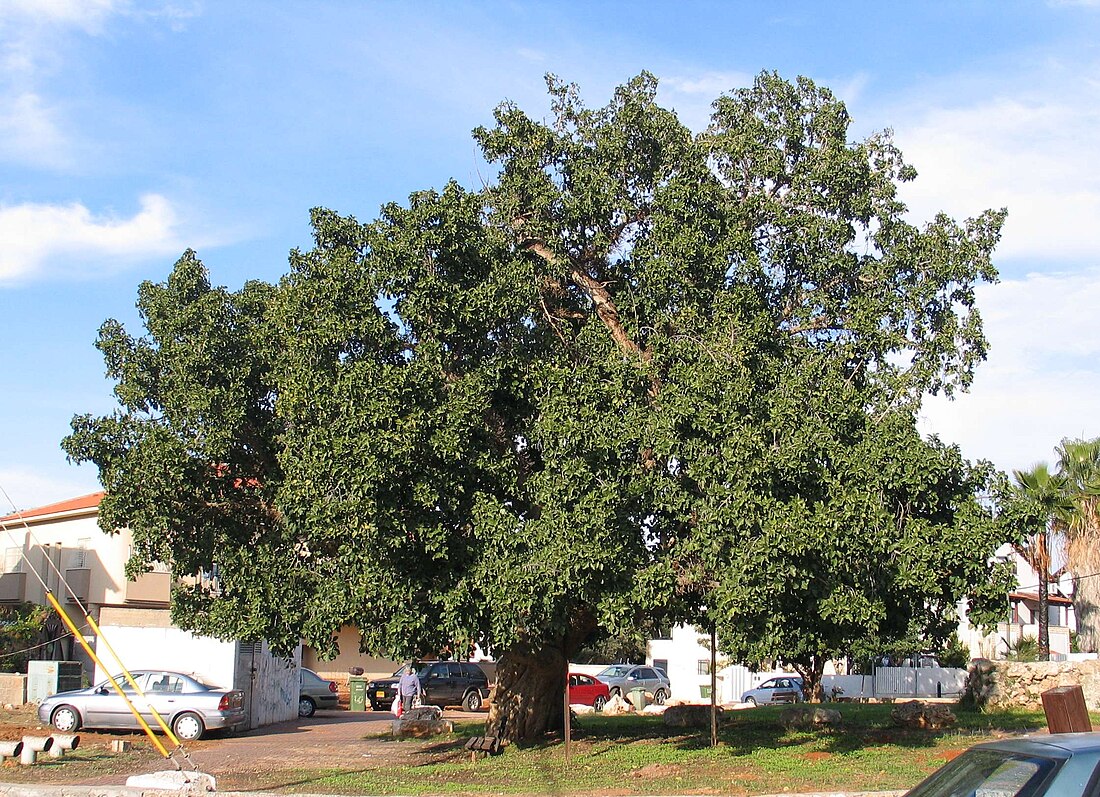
(36, 647)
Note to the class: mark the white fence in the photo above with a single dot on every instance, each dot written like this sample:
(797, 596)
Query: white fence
(896, 682)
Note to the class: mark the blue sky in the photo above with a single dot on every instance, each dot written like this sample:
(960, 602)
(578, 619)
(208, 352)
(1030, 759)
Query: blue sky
(132, 130)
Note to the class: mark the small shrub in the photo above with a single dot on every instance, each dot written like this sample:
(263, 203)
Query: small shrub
(954, 653)
(1025, 649)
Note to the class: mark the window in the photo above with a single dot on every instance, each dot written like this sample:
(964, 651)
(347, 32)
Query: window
(165, 683)
(661, 664)
(13, 560)
(702, 667)
(646, 673)
(1054, 615)
(988, 772)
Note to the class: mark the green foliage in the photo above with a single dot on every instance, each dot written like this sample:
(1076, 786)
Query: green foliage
(602, 648)
(21, 629)
(644, 375)
(1024, 649)
(954, 653)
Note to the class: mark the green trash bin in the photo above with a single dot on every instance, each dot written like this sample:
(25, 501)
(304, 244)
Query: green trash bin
(637, 698)
(357, 688)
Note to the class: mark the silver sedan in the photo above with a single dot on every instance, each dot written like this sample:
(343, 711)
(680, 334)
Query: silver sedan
(189, 706)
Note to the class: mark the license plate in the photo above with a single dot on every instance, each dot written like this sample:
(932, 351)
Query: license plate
(379, 694)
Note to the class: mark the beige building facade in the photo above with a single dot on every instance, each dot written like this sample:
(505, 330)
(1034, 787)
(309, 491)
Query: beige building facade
(60, 547)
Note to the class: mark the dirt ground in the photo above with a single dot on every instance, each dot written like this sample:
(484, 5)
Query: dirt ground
(266, 757)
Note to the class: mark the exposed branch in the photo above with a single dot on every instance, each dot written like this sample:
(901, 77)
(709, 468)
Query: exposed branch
(606, 310)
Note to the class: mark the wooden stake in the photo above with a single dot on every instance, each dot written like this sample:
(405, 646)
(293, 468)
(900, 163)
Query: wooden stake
(568, 730)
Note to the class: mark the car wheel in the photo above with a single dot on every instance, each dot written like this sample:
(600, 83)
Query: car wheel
(599, 703)
(750, 700)
(66, 719)
(660, 696)
(306, 707)
(615, 692)
(188, 726)
(472, 701)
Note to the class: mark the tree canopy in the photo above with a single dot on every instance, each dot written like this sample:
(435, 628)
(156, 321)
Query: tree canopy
(642, 373)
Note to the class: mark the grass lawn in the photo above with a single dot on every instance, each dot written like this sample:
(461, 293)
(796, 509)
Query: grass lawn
(631, 755)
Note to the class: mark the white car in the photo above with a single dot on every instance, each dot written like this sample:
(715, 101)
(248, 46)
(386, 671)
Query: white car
(782, 689)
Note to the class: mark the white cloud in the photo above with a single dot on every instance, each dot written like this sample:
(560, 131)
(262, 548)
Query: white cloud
(40, 239)
(37, 41)
(1027, 144)
(691, 96)
(709, 84)
(1042, 378)
(86, 14)
(529, 54)
(30, 134)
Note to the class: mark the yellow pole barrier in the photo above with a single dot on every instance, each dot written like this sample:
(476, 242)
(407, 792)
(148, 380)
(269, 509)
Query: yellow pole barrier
(156, 714)
(87, 649)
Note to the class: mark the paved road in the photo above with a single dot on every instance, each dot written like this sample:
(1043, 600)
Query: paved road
(336, 739)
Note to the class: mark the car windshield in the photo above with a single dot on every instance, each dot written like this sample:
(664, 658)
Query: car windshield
(987, 773)
(614, 672)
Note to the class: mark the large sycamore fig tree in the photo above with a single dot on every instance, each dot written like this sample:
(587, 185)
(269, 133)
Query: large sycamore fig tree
(643, 373)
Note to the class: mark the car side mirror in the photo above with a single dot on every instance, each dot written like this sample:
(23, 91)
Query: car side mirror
(101, 690)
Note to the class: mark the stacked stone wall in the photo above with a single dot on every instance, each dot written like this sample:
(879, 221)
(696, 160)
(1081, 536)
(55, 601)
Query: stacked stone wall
(1009, 684)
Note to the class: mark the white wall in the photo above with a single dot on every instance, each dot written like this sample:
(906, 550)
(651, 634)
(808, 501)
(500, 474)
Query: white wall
(213, 660)
(683, 652)
(270, 684)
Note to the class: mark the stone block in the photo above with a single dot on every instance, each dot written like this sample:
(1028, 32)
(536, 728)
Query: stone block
(421, 728)
(810, 717)
(918, 714)
(689, 716)
(181, 782)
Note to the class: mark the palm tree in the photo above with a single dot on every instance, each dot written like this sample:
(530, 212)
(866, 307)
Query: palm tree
(1079, 465)
(1045, 507)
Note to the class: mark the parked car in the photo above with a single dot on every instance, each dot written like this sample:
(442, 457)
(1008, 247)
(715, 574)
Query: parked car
(1060, 765)
(621, 678)
(783, 689)
(443, 683)
(315, 692)
(189, 706)
(584, 690)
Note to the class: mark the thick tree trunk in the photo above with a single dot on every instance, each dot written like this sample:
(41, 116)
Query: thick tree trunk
(529, 699)
(811, 678)
(1084, 558)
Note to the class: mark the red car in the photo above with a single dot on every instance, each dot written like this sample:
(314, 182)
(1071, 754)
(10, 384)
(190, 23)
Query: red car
(585, 690)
